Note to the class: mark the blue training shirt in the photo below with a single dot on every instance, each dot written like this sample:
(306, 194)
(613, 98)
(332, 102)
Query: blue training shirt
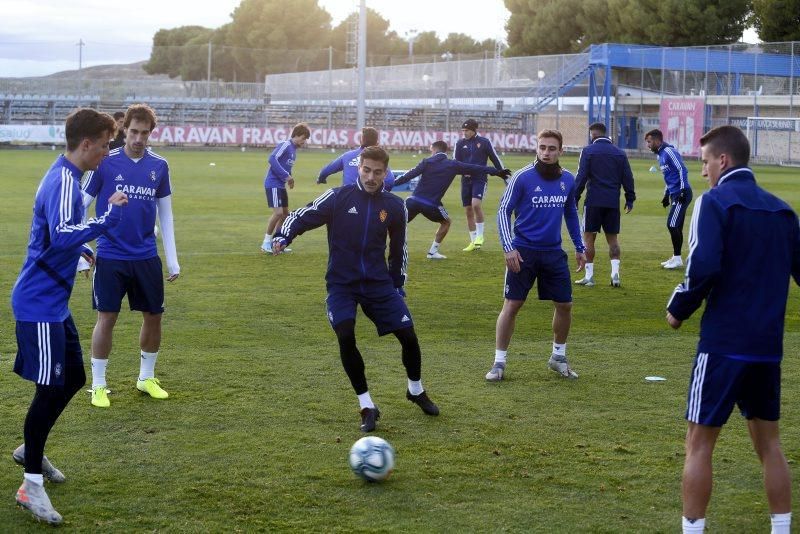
(281, 162)
(347, 164)
(438, 172)
(42, 290)
(602, 169)
(538, 206)
(143, 181)
(477, 151)
(676, 177)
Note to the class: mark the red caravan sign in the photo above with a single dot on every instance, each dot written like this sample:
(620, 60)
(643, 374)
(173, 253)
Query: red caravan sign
(681, 122)
(324, 137)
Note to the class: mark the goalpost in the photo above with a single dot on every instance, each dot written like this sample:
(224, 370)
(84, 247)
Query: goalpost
(774, 140)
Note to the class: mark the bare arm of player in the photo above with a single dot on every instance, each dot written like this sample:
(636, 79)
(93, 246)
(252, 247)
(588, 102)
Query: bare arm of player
(580, 258)
(290, 182)
(513, 260)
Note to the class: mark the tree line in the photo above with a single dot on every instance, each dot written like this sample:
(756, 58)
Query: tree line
(274, 36)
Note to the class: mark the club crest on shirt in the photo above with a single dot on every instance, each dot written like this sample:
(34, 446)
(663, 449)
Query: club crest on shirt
(152, 176)
(563, 187)
(57, 369)
(478, 145)
(382, 215)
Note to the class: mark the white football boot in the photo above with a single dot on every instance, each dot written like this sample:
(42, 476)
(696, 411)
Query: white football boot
(559, 365)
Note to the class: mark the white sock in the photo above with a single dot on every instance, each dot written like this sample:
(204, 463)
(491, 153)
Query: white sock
(365, 401)
(614, 267)
(500, 356)
(415, 387)
(676, 258)
(696, 525)
(99, 372)
(472, 235)
(781, 523)
(36, 479)
(479, 229)
(589, 270)
(560, 349)
(434, 248)
(147, 365)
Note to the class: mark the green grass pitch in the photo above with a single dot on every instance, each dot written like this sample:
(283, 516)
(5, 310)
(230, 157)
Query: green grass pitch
(255, 434)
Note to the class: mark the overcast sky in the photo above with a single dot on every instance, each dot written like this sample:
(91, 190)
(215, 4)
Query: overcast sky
(40, 37)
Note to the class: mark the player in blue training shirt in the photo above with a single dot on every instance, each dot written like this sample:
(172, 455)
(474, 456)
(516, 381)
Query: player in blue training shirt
(48, 349)
(127, 257)
(744, 244)
(475, 149)
(602, 170)
(438, 172)
(677, 192)
(347, 163)
(279, 175)
(359, 218)
(538, 195)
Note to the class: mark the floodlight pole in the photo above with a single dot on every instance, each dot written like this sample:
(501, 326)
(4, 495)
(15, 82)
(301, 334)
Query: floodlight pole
(362, 65)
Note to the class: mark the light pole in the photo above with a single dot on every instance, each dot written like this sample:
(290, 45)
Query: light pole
(447, 56)
(411, 35)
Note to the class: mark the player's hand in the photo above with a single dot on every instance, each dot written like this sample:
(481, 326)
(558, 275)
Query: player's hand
(665, 200)
(278, 244)
(629, 207)
(504, 173)
(683, 195)
(513, 260)
(118, 198)
(580, 258)
(172, 277)
(290, 182)
(673, 322)
(401, 291)
(321, 180)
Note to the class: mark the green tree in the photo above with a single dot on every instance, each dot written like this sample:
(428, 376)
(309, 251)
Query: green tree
(427, 43)
(777, 20)
(168, 49)
(381, 43)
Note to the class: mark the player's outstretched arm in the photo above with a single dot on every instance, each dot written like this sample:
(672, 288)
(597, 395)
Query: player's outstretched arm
(299, 221)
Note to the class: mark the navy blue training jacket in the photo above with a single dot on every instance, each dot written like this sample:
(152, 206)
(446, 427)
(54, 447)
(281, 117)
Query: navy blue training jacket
(358, 223)
(477, 151)
(744, 243)
(438, 172)
(602, 169)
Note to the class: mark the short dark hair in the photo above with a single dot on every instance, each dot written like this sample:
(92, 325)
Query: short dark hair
(375, 153)
(369, 136)
(439, 146)
(728, 140)
(140, 112)
(655, 134)
(301, 130)
(119, 115)
(598, 127)
(85, 123)
(551, 133)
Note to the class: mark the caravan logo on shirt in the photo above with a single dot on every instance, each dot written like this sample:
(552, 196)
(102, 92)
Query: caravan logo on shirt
(137, 192)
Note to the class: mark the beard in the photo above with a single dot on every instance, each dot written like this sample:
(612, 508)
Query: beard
(548, 171)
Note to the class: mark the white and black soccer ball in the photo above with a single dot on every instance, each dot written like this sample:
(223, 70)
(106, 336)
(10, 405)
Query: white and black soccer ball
(372, 458)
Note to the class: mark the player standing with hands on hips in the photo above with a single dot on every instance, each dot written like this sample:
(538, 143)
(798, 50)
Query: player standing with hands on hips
(744, 245)
(48, 349)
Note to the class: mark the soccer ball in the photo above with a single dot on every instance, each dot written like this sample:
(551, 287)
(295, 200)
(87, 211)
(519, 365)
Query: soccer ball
(372, 458)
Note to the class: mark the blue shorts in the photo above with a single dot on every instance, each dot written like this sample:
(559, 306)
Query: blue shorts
(597, 218)
(549, 267)
(677, 211)
(141, 280)
(46, 350)
(719, 382)
(472, 188)
(277, 197)
(435, 213)
(383, 306)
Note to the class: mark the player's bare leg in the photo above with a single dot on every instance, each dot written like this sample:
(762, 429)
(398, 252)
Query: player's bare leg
(504, 329)
(102, 336)
(562, 320)
(150, 342)
(588, 277)
(614, 252)
(777, 477)
(441, 233)
(697, 470)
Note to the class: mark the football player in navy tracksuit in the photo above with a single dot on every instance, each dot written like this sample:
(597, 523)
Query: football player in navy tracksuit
(539, 196)
(359, 218)
(475, 149)
(744, 244)
(279, 175)
(347, 163)
(48, 349)
(438, 172)
(677, 192)
(602, 170)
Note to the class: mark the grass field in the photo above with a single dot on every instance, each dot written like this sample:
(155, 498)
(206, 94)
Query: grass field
(261, 416)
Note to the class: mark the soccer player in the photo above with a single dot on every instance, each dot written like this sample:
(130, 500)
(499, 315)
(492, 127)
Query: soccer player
(279, 175)
(127, 257)
(438, 172)
(602, 170)
(539, 195)
(359, 218)
(475, 149)
(347, 163)
(744, 244)
(48, 349)
(677, 192)
(119, 140)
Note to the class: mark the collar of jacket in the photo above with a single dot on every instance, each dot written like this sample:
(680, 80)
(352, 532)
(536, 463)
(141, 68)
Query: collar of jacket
(741, 173)
(605, 139)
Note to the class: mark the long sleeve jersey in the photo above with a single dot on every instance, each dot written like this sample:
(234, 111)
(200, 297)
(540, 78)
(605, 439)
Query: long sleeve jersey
(602, 169)
(42, 290)
(281, 162)
(477, 151)
(358, 224)
(676, 176)
(438, 172)
(538, 206)
(347, 164)
(744, 244)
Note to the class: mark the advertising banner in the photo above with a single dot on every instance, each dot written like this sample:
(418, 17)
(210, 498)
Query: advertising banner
(681, 121)
(25, 133)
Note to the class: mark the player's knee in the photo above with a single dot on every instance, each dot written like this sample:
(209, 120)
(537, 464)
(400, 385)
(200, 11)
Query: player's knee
(563, 307)
(346, 332)
(407, 336)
